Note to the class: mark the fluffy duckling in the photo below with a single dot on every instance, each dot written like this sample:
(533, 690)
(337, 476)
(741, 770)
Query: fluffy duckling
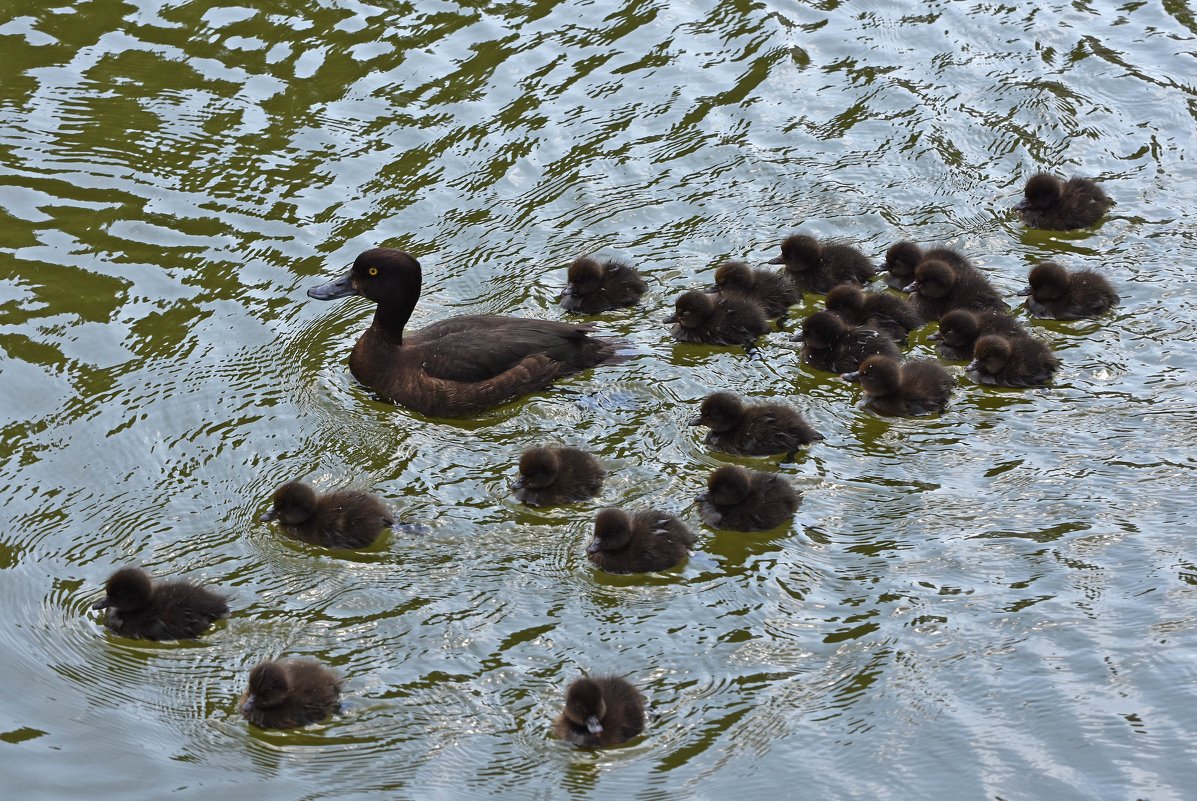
(759, 430)
(959, 330)
(555, 476)
(600, 711)
(774, 293)
(642, 542)
(829, 343)
(1055, 292)
(817, 267)
(290, 693)
(903, 257)
(595, 286)
(939, 287)
(1012, 361)
(903, 389)
(888, 314)
(143, 609)
(707, 319)
(342, 519)
(1057, 205)
(740, 499)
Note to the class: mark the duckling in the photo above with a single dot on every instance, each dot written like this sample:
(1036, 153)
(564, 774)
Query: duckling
(829, 343)
(1055, 292)
(817, 267)
(290, 693)
(459, 366)
(600, 711)
(643, 542)
(759, 430)
(595, 286)
(939, 287)
(708, 319)
(740, 499)
(143, 609)
(1012, 361)
(774, 293)
(959, 330)
(885, 313)
(342, 519)
(555, 476)
(903, 257)
(903, 389)
(1057, 205)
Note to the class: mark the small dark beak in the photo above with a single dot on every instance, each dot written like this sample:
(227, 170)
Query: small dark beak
(1025, 291)
(340, 288)
(595, 546)
(913, 286)
(697, 421)
(972, 366)
(702, 497)
(671, 319)
(882, 268)
(103, 603)
(518, 484)
(797, 337)
(935, 337)
(248, 706)
(1022, 205)
(853, 376)
(593, 726)
(271, 515)
(777, 260)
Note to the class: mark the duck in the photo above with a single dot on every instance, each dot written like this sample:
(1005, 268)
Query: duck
(597, 286)
(1012, 361)
(723, 319)
(939, 287)
(888, 314)
(290, 693)
(959, 330)
(346, 519)
(829, 343)
(739, 499)
(903, 257)
(816, 267)
(774, 293)
(642, 542)
(1054, 292)
(144, 609)
(1055, 205)
(555, 476)
(460, 366)
(600, 711)
(903, 389)
(761, 429)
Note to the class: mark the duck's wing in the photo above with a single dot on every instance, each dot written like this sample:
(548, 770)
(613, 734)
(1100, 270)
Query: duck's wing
(479, 349)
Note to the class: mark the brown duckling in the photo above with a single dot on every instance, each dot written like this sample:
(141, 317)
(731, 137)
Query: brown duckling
(642, 542)
(1012, 361)
(829, 343)
(555, 476)
(722, 319)
(816, 267)
(959, 330)
(459, 366)
(903, 389)
(595, 286)
(888, 314)
(290, 693)
(1057, 293)
(740, 499)
(774, 293)
(757, 430)
(1056, 205)
(600, 711)
(939, 287)
(143, 609)
(903, 257)
(341, 519)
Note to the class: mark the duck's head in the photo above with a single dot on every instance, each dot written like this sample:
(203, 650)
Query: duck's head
(727, 486)
(612, 531)
(957, 327)
(933, 279)
(585, 705)
(294, 502)
(799, 253)
(901, 258)
(126, 589)
(1042, 191)
(694, 308)
(878, 375)
(585, 276)
(538, 469)
(990, 354)
(268, 686)
(387, 276)
(720, 411)
(735, 275)
(845, 299)
(1047, 281)
(822, 330)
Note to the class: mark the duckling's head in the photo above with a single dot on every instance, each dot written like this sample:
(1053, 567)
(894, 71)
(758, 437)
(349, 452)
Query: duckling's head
(823, 330)
(990, 354)
(585, 275)
(294, 502)
(126, 589)
(933, 278)
(1042, 191)
(902, 257)
(269, 686)
(694, 308)
(957, 327)
(612, 531)
(878, 375)
(799, 253)
(538, 468)
(1048, 281)
(845, 299)
(585, 705)
(728, 486)
(387, 276)
(735, 275)
(721, 411)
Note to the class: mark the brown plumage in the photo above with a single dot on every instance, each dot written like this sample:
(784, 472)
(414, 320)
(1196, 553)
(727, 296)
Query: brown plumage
(740, 499)
(888, 314)
(642, 542)
(753, 430)
(903, 257)
(597, 286)
(459, 366)
(555, 476)
(1057, 205)
(959, 330)
(816, 267)
(1054, 292)
(600, 711)
(290, 693)
(707, 319)
(340, 519)
(143, 609)
(1012, 361)
(829, 343)
(940, 287)
(903, 389)
(774, 293)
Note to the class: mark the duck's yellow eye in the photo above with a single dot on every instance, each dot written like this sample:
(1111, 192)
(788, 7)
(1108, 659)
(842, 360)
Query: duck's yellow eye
(373, 271)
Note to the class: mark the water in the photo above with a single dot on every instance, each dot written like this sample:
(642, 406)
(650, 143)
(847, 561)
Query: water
(997, 603)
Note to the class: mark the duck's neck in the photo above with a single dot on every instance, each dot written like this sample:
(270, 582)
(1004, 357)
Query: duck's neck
(389, 320)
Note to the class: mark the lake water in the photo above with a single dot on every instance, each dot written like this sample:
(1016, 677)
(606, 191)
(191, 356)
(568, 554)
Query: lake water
(996, 603)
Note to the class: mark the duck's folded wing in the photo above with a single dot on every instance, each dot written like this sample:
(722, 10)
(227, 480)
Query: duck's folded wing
(477, 349)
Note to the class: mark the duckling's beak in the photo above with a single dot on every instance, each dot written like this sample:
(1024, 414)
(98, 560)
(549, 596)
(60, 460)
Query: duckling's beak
(776, 260)
(972, 366)
(697, 421)
(671, 319)
(518, 484)
(248, 706)
(702, 497)
(882, 268)
(103, 603)
(340, 288)
(853, 376)
(593, 726)
(595, 546)
(1025, 291)
(271, 515)
(935, 337)
(1022, 205)
(797, 337)
(911, 287)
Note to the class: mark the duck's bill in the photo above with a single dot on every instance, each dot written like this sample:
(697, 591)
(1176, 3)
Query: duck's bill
(103, 603)
(912, 287)
(340, 288)
(972, 367)
(777, 260)
(935, 337)
(1024, 292)
(270, 515)
(1022, 205)
(852, 377)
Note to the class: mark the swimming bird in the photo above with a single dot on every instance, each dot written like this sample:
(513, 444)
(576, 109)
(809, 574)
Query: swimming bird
(903, 257)
(959, 330)
(290, 693)
(341, 519)
(1057, 293)
(903, 389)
(829, 343)
(1057, 205)
(555, 476)
(816, 267)
(596, 286)
(642, 542)
(740, 499)
(939, 287)
(722, 319)
(888, 314)
(600, 711)
(459, 366)
(774, 293)
(1012, 361)
(753, 430)
(143, 609)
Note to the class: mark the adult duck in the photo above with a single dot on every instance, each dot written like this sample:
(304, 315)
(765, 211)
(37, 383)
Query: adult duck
(455, 367)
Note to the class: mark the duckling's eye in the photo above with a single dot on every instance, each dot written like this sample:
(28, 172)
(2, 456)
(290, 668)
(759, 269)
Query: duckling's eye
(373, 271)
